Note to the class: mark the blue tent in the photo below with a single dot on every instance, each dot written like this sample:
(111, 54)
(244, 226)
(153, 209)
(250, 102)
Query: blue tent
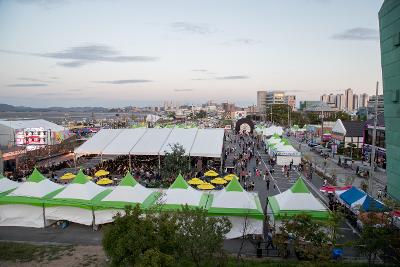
(371, 204)
(352, 196)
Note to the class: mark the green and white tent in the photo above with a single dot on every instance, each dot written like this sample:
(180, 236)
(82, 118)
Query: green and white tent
(76, 202)
(242, 208)
(181, 193)
(296, 200)
(6, 185)
(24, 205)
(128, 192)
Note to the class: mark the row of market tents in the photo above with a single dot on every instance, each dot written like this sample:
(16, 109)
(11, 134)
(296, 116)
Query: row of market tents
(281, 148)
(268, 131)
(39, 202)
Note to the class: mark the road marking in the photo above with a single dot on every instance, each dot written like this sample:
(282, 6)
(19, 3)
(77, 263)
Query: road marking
(276, 185)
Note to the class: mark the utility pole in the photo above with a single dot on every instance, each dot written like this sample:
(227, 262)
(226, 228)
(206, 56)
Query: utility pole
(371, 172)
(322, 122)
(288, 120)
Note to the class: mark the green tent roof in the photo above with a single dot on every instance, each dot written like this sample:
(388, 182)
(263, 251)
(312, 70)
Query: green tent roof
(128, 180)
(234, 185)
(276, 135)
(36, 177)
(179, 183)
(80, 178)
(299, 187)
(285, 141)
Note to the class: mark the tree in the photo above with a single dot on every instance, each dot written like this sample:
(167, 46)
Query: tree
(278, 113)
(134, 237)
(309, 238)
(200, 237)
(156, 238)
(375, 236)
(201, 114)
(175, 162)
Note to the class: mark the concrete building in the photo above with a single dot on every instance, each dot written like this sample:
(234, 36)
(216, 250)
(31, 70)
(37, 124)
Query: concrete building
(332, 99)
(261, 101)
(275, 97)
(349, 99)
(355, 102)
(371, 104)
(390, 60)
(341, 101)
(325, 98)
(363, 100)
(291, 101)
(307, 103)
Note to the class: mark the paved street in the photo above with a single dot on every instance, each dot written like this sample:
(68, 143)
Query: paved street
(345, 176)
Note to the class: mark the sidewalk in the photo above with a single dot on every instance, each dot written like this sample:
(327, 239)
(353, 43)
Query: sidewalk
(345, 176)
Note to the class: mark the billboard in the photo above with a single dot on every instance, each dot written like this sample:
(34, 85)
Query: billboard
(31, 136)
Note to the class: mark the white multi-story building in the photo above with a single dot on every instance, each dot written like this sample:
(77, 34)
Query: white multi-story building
(355, 102)
(363, 100)
(349, 99)
(275, 97)
(340, 101)
(325, 98)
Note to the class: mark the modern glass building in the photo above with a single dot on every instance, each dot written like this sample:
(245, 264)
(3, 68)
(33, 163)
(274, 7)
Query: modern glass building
(389, 24)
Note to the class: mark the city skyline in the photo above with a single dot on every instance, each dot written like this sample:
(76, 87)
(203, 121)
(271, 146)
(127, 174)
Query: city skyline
(141, 53)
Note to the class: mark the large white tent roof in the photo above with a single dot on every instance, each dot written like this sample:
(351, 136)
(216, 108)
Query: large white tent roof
(22, 124)
(154, 141)
(98, 142)
(208, 143)
(184, 137)
(124, 142)
(32, 189)
(151, 142)
(7, 184)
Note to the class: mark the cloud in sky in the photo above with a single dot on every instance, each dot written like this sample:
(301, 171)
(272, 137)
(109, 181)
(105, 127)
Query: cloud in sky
(200, 70)
(27, 79)
(183, 90)
(184, 26)
(125, 81)
(81, 55)
(360, 33)
(242, 41)
(234, 77)
(27, 85)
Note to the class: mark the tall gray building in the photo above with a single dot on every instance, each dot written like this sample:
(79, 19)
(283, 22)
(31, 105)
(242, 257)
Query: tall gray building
(355, 102)
(261, 101)
(363, 100)
(349, 99)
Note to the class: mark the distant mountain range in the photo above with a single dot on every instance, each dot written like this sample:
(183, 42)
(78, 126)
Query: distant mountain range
(10, 108)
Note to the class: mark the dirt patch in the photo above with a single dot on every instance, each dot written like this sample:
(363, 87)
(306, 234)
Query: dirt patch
(67, 256)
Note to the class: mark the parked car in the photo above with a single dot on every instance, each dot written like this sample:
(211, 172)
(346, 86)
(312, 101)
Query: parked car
(312, 144)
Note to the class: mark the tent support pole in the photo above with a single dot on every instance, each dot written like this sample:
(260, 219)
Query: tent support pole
(159, 163)
(75, 160)
(44, 216)
(93, 219)
(130, 163)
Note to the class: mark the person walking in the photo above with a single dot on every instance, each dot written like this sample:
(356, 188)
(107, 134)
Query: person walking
(268, 181)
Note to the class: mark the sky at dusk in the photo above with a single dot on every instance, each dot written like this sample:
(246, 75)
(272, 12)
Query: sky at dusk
(120, 53)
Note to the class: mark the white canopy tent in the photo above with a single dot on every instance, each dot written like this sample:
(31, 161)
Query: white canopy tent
(208, 143)
(285, 154)
(123, 143)
(23, 206)
(6, 184)
(74, 203)
(184, 137)
(154, 141)
(98, 142)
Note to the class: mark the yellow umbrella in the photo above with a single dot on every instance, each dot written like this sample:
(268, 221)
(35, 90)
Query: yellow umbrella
(68, 176)
(205, 186)
(218, 180)
(229, 177)
(195, 181)
(211, 173)
(101, 173)
(104, 181)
